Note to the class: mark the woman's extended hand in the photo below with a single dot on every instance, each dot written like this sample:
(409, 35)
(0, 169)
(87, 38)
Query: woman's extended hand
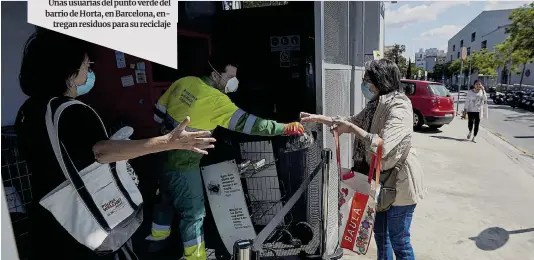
(312, 118)
(181, 139)
(341, 126)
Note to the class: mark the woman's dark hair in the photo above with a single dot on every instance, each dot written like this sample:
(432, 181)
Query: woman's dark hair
(218, 61)
(48, 61)
(384, 74)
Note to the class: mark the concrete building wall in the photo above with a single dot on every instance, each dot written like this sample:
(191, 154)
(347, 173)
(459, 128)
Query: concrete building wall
(489, 28)
(430, 62)
(374, 27)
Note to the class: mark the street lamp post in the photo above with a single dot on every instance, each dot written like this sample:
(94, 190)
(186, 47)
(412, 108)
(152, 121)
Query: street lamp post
(460, 87)
(469, 77)
(464, 56)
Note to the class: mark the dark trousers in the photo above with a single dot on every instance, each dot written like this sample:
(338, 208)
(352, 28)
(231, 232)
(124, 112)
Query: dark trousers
(473, 118)
(392, 233)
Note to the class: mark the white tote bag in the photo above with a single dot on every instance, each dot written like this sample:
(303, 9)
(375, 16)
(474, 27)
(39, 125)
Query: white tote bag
(100, 206)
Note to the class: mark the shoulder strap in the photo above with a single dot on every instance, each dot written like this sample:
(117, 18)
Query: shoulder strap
(52, 123)
(52, 120)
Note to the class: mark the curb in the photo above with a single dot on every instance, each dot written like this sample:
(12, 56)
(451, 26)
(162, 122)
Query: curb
(506, 141)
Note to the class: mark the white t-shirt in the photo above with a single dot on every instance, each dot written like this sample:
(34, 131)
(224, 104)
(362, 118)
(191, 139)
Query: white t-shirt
(475, 101)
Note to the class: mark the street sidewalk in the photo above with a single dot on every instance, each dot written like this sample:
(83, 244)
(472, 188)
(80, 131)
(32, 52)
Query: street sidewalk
(480, 198)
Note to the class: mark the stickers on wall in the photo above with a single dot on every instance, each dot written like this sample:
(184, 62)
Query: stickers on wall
(285, 59)
(141, 66)
(140, 76)
(127, 81)
(121, 60)
(285, 43)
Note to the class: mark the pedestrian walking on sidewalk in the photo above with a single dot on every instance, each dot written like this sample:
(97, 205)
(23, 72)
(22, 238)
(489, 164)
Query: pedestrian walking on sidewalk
(475, 104)
(387, 116)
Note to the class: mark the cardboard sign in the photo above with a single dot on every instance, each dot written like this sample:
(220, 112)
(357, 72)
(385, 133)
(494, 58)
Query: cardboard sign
(227, 202)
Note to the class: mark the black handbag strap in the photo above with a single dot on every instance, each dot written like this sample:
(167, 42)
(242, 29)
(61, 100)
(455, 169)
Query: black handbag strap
(393, 172)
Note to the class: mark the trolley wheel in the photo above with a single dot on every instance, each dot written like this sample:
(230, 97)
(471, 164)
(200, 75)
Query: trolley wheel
(303, 231)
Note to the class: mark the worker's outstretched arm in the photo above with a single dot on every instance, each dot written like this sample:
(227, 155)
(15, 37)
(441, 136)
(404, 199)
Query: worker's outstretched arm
(236, 119)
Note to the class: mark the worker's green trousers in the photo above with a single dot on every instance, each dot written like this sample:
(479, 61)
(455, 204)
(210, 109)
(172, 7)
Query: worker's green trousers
(181, 192)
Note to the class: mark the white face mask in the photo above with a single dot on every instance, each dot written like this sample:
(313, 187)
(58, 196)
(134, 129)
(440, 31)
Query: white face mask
(231, 85)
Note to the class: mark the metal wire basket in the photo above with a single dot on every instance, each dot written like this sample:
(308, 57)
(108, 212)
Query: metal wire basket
(268, 173)
(17, 187)
(264, 190)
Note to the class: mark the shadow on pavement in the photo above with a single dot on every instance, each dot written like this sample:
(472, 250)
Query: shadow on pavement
(520, 117)
(495, 237)
(428, 130)
(524, 136)
(449, 138)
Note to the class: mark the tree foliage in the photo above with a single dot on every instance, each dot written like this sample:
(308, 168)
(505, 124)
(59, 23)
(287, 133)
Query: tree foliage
(512, 55)
(417, 73)
(440, 70)
(454, 67)
(395, 54)
(484, 62)
(521, 30)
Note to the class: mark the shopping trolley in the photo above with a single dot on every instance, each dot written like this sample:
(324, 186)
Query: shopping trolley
(272, 200)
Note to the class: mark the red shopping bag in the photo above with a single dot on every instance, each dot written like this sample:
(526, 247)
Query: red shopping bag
(357, 203)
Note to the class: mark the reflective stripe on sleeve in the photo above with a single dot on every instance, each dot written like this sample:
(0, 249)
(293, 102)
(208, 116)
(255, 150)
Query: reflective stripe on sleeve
(235, 118)
(249, 124)
(158, 119)
(161, 108)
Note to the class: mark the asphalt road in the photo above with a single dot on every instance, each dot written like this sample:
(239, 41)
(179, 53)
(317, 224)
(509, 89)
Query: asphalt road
(515, 126)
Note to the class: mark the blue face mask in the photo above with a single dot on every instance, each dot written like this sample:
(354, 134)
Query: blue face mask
(366, 90)
(89, 84)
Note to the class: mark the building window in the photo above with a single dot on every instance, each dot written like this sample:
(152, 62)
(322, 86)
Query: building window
(483, 44)
(451, 57)
(473, 36)
(458, 55)
(454, 48)
(468, 51)
(461, 43)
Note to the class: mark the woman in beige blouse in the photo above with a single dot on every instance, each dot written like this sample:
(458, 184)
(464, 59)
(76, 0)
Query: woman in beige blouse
(387, 116)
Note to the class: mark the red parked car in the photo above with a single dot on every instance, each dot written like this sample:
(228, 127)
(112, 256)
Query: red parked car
(432, 103)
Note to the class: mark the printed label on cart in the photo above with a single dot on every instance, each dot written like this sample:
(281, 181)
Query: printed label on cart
(227, 202)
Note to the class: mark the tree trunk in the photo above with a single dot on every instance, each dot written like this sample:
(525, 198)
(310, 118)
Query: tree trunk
(522, 74)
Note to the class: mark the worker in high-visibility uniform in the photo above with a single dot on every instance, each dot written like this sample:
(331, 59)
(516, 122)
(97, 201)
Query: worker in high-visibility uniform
(205, 101)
